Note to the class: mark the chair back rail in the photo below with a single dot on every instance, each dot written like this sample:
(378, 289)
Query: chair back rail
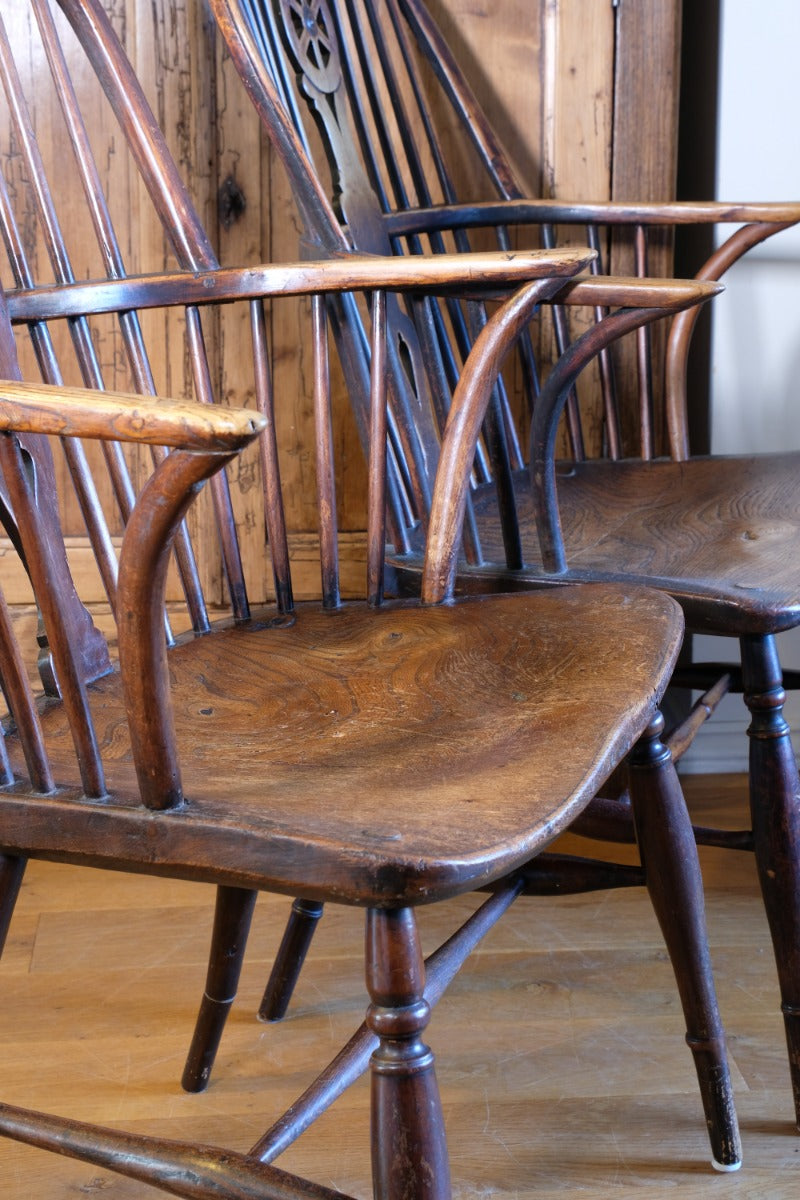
(383, 139)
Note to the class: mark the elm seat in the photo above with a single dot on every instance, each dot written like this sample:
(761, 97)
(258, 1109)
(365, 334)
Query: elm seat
(741, 534)
(367, 705)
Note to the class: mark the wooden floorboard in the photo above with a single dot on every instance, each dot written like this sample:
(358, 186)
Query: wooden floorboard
(560, 1049)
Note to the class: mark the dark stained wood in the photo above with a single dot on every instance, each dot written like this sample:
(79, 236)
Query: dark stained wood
(776, 822)
(613, 513)
(289, 960)
(187, 1170)
(408, 1156)
(232, 917)
(719, 535)
(539, 1100)
(214, 136)
(350, 753)
(684, 930)
(258, 654)
(575, 986)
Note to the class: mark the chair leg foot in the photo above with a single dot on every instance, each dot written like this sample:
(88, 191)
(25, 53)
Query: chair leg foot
(289, 960)
(672, 872)
(234, 912)
(409, 1151)
(711, 1065)
(775, 811)
(791, 1025)
(725, 1168)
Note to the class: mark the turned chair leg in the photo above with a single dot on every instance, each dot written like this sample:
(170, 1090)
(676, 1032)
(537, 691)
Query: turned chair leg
(409, 1152)
(775, 811)
(289, 960)
(232, 917)
(12, 870)
(676, 891)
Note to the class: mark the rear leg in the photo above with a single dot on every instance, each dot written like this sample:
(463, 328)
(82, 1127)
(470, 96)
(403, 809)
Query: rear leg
(672, 873)
(234, 912)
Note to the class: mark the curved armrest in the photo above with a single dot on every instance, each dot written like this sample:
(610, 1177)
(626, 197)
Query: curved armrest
(439, 218)
(121, 417)
(146, 547)
(641, 302)
(204, 438)
(479, 375)
(348, 273)
(550, 405)
(611, 291)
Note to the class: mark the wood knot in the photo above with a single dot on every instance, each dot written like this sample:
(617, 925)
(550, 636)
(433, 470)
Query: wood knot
(231, 202)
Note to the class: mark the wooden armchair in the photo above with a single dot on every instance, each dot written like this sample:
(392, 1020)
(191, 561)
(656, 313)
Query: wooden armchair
(346, 752)
(378, 130)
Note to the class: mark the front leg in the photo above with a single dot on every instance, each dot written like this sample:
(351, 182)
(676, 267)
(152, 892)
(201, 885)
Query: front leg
(409, 1152)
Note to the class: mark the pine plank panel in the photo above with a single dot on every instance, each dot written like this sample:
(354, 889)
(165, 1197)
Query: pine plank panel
(174, 58)
(303, 554)
(646, 99)
(578, 100)
(500, 49)
(577, 135)
(242, 181)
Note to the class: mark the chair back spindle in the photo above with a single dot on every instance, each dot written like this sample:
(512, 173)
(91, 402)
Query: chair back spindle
(326, 479)
(385, 143)
(376, 506)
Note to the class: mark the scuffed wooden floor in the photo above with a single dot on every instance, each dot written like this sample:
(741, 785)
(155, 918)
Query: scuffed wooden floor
(560, 1047)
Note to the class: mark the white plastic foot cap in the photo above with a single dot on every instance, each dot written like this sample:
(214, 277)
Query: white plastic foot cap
(726, 1168)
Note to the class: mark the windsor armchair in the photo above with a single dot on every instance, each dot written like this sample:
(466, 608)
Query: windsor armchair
(341, 751)
(352, 94)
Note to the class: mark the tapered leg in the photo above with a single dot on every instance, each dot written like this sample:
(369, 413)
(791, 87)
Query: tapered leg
(672, 873)
(409, 1153)
(11, 871)
(289, 959)
(232, 918)
(775, 810)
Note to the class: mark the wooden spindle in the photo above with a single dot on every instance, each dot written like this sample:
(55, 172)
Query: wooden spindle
(43, 567)
(226, 525)
(87, 641)
(376, 501)
(562, 336)
(22, 706)
(613, 447)
(59, 258)
(644, 356)
(326, 481)
(270, 469)
(169, 196)
(85, 490)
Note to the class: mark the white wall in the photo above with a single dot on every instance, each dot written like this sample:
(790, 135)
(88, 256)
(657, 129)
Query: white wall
(755, 383)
